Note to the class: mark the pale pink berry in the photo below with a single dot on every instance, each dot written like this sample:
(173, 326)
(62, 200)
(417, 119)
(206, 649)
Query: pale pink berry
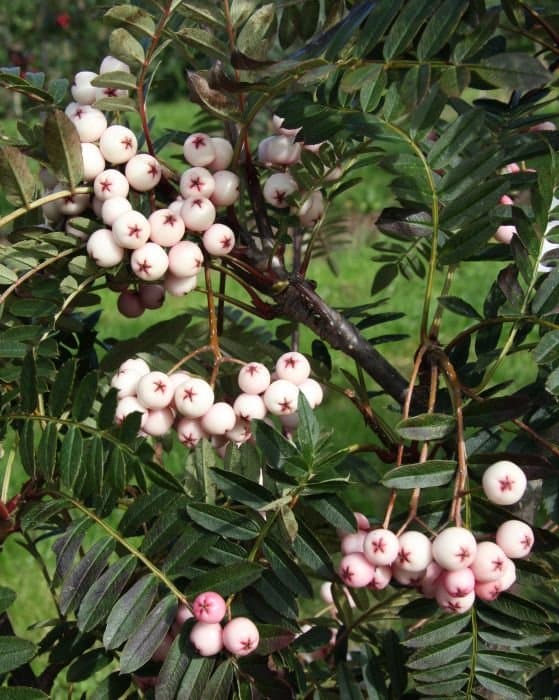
(149, 262)
(199, 149)
(93, 161)
(504, 483)
(249, 407)
(135, 364)
(112, 208)
(505, 233)
(407, 578)
(279, 150)
(90, 122)
(182, 615)
(110, 183)
(131, 230)
(196, 182)
(488, 590)
(128, 405)
(458, 582)
(155, 390)
(118, 144)
(158, 422)
(294, 367)
(240, 432)
(355, 571)
(72, 230)
(167, 228)
(454, 548)
(226, 188)
(129, 304)
(207, 638)
(125, 381)
(143, 172)
(198, 213)
(326, 592)
(281, 397)
(543, 126)
(96, 205)
(489, 563)
(223, 154)
(193, 397)
(152, 296)
(431, 579)
(254, 378)
(381, 578)
(218, 240)
(240, 636)
(312, 392)
(103, 249)
(83, 92)
(72, 204)
(352, 542)
(185, 259)
(209, 607)
(515, 538)
(218, 419)
(110, 64)
(179, 286)
(361, 520)
(278, 188)
(415, 551)
(176, 205)
(277, 123)
(381, 547)
(312, 209)
(454, 605)
(51, 210)
(189, 431)
(509, 576)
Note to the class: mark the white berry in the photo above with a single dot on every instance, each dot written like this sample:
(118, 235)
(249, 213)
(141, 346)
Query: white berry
(118, 144)
(167, 228)
(218, 240)
(199, 149)
(454, 548)
(504, 483)
(281, 397)
(103, 249)
(110, 183)
(143, 172)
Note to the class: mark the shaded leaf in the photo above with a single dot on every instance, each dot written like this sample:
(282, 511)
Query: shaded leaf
(16, 179)
(438, 631)
(426, 426)
(78, 581)
(15, 652)
(129, 612)
(62, 144)
(226, 580)
(439, 654)
(223, 521)
(514, 70)
(459, 306)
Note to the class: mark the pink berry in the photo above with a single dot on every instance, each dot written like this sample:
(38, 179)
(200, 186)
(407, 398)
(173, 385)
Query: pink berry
(103, 249)
(143, 172)
(312, 392)
(431, 580)
(199, 149)
(223, 154)
(249, 407)
(90, 122)
(488, 590)
(128, 405)
(355, 571)
(118, 144)
(415, 551)
(454, 548)
(196, 182)
(279, 150)
(278, 188)
(158, 422)
(110, 64)
(193, 397)
(93, 161)
(198, 213)
(149, 262)
(218, 419)
(182, 615)
(254, 378)
(458, 582)
(209, 607)
(218, 240)
(240, 636)
(504, 483)
(240, 432)
(179, 286)
(312, 209)
(155, 390)
(112, 208)
(131, 230)
(185, 259)
(381, 578)
(125, 381)
(83, 92)
(226, 188)
(505, 233)
(515, 538)
(189, 431)
(408, 578)
(352, 542)
(73, 204)
(207, 638)
(489, 563)
(129, 304)
(281, 397)
(454, 605)
(294, 367)
(135, 364)
(110, 183)
(361, 520)
(509, 576)
(381, 547)
(167, 228)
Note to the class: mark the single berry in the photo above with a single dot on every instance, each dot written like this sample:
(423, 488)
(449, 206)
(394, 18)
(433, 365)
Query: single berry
(454, 605)
(240, 636)
(352, 542)
(149, 262)
(185, 259)
(112, 208)
(226, 188)
(196, 182)
(281, 397)
(128, 405)
(240, 432)
(223, 154)
(454, 548)
(515, 538)
(381, 578)
(312, 392)
(218, 419)
(110, 64)
(199, 149)
(131, 230)
(278, 188)
(93, 161)
(294, 367)
(152, 296)
(82, 90)
(504, 483)
(254, 378)
(143, 172)
(459, 582)
(189, 431)
(381, 547)
(179, 286)
(110, 183)
(207, 638)
(155, 390)
(249, 407)
(355, 571)
(198, 213)
(90, 122)
(129, 304)
(167, 228)
(118, 144)
(158, 422)
(489, 563)
(209, 607)
(415, 551)
(193, 397)
(218, 240)
(103, 249)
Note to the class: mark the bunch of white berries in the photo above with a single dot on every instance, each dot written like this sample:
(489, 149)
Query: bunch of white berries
(453, 568)
(187, 402)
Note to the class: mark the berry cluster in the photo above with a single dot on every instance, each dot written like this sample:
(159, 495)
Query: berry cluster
(453, 567)
(188, 402)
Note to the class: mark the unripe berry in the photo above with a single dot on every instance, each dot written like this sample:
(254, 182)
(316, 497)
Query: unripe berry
(93, 161)
(118, 144)
(209, 607)
(355, 571)
(196, 182)
(131, 230)
(504, 483)
(515, 538)
(254, 378)
(458, 582)
(454, 548)
(110, 183)
(240, 636)
(167, 228)
(454, 605)
(294, 367)
(199, 149)
(83, 92)
(207, 638)
(129, 304)
(90, 122)
(198, 213)
(179, 286)
(110, 64)
(352, 542)
(112, 208)
(278, 188)
(189, 431)
(218, 419)
(381, 578)
(193, 397)
(150, 262)
(152, 296)
(218, 240)
(249, 407)
(155, 390)
(103, 249)
(185, 259)
(226, 188)
(128, 405)
(223, 154)
(415, 551)
(143, 172)
(381, 547)
(489, 564)
(158, 422)
(312, 392)
(281, 397)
